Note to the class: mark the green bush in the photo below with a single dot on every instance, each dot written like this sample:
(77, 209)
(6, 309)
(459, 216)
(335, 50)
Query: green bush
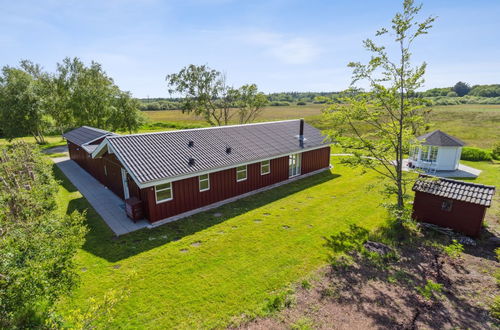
(496, 151)
(301, 103)
(476, 154)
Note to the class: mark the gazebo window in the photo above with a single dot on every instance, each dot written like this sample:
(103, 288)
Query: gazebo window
(429, 153)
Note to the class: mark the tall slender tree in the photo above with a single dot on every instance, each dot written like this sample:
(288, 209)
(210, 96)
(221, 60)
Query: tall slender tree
(381, 122)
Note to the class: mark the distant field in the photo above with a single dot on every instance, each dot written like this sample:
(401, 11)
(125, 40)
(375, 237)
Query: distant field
(477, 124)
(269, 113)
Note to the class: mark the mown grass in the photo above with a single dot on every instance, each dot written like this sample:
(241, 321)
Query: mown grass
(204, 271)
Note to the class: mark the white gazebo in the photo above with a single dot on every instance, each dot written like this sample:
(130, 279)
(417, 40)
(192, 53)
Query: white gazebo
(436, 151)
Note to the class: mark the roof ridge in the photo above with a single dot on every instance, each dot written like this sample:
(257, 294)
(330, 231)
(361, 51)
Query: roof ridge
(457, 181)
(203, 128)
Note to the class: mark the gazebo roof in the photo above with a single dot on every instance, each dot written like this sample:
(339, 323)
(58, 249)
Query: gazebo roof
(440, 139)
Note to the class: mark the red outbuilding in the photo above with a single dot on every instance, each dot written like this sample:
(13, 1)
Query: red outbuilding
(454, 204)
(177, 173)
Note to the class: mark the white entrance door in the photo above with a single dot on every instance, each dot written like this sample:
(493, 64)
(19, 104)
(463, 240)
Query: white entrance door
(126, 194)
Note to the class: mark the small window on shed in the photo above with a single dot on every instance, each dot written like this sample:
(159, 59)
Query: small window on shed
(204, 182)
(163, 192)
(105, 170)
(265, 167)
(447, 205)
(241, 173)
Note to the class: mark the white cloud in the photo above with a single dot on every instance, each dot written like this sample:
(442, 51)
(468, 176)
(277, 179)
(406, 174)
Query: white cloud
(290, 50)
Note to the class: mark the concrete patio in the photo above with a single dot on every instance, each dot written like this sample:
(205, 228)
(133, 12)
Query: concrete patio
(463, 171)
(109, 206)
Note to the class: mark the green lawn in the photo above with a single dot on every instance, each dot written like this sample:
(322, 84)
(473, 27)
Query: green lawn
(206, 271)
(261, 244)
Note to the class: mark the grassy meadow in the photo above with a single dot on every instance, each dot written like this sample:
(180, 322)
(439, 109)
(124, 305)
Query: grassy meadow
(476, 124)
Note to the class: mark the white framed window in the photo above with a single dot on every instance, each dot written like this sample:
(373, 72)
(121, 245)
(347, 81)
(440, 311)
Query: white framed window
(164, 192)
(294, 165)
(241, 173)
(265, 167)
(429, 153)
(204, 182)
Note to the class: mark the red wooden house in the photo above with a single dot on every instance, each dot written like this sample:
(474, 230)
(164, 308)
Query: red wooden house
(171, 173)
(454, 204)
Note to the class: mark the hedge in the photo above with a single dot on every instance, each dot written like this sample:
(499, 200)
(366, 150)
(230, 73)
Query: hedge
(476, 154)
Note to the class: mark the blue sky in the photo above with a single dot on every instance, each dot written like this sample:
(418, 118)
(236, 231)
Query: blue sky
(281, 45)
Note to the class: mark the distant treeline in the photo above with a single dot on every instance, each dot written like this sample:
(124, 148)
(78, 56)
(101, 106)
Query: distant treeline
(275, 99)
(460, 93)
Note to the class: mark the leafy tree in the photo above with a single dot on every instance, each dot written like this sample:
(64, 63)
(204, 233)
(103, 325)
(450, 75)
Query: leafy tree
(87, 96)
(380, 123)
(37, 243)
(250, 103)
(22, 94)
(204, 92)
(126, 114)
(461, 88)
(92, 93)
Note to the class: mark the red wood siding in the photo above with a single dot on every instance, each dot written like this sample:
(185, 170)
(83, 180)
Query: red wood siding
(463, 217)
(186, 194)
(223, 185)
(96, 168)
(315, 159)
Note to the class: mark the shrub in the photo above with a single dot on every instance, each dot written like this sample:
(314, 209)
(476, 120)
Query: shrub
(476, 154)
(452, 94)
(301, 103)
(496, 151)
(279, 104)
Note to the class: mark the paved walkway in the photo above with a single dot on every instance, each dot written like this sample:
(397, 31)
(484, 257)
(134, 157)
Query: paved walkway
(109, 206)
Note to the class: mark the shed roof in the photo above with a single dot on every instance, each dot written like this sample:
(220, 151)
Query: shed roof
(163, 155)
(453, 189)
(85, 134)
(440, 139)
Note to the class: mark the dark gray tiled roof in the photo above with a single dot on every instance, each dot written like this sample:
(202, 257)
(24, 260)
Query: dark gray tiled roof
(84, 134)
(156, 156)
(454, 189)
(440, 139)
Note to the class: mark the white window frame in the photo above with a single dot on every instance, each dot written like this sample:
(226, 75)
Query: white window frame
(170, 187)
(429, 154)
(294, 160)
(238, 171)
(263, 164)
(200, 180)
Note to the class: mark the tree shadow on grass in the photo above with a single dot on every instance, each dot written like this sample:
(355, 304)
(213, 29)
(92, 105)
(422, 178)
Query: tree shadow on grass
(385, 289)
(101, 241)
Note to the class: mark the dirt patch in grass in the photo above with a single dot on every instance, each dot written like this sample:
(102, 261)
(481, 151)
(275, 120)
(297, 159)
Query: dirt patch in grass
(365, 295)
